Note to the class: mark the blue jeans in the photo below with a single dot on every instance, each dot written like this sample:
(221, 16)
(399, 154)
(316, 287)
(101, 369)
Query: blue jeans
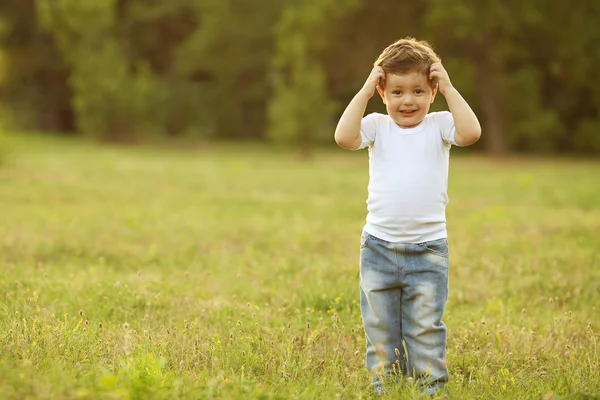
(404, 288)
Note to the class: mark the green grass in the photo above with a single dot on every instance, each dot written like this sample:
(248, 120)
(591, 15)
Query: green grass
(229, 273)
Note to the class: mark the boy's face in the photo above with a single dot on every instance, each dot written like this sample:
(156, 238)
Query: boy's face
(407, 97)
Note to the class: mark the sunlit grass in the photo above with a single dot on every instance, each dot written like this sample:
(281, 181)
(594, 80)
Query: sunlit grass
(220, 272)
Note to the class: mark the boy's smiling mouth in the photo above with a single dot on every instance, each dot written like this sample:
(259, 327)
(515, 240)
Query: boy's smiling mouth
(408, 113)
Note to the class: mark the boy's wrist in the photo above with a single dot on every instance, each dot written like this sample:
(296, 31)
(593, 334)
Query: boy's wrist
(448, 90)
(366, 92)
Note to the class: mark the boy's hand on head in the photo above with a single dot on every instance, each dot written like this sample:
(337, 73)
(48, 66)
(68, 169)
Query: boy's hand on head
(438, 72)
(377, 74)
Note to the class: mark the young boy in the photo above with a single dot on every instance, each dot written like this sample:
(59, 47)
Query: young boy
(404, 251)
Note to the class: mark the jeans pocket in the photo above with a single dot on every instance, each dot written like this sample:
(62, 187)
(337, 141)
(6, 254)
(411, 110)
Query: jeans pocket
(438, 247)
(364, 239)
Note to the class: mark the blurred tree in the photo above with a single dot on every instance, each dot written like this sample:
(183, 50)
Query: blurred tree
(531, 60)
(284, 70)
(228, 57)
(151, 33)
(479, 32)
(301, 108)
(565, 50)
(33, 75)
(112, 98)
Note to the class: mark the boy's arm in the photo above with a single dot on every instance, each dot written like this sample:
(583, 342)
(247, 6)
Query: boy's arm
(468, 130)
(347, 132)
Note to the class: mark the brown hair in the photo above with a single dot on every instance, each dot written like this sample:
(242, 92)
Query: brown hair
(408, 55)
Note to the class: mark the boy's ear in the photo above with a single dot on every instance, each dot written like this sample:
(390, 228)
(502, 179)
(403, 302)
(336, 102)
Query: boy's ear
(434, 92)
(381, 93)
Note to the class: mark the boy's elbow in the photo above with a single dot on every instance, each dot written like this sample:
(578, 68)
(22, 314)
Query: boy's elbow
(469, 137)
(341, 143)
(345, 143)
(340, 140)
(476, 133)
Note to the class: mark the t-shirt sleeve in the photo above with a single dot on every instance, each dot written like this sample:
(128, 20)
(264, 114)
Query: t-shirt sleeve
(445, 122)
(368, 130)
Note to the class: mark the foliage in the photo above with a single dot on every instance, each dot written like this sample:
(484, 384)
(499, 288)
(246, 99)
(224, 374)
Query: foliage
(110, 99)
(301, 109)
(230, 51)
(33, 76)
(233, 69)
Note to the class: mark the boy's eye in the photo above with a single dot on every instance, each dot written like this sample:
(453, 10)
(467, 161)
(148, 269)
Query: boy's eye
(419, 91)
(396, 92)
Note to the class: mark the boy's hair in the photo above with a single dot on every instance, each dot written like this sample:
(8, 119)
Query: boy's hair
(408, 55)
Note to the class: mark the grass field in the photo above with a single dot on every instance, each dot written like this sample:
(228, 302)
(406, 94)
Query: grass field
(232, 273)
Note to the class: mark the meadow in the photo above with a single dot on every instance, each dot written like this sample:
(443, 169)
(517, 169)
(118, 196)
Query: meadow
(231, 272)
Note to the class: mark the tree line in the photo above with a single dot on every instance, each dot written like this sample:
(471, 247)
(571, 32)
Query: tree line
(283, 71)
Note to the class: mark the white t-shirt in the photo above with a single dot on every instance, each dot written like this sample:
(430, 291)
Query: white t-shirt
(408, 177)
